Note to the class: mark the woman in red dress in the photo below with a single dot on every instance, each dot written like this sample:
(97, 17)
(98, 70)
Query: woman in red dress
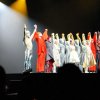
(93, 48)
(41, 50)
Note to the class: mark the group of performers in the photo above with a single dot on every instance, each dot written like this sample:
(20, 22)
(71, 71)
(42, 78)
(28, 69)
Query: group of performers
(53, 52)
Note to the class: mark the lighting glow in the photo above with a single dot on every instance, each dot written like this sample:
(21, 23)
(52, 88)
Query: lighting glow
(20, 6)
(2, 6)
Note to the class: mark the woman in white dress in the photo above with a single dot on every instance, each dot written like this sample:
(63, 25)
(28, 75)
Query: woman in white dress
(86, 56)
(56, 54)
(73, 57)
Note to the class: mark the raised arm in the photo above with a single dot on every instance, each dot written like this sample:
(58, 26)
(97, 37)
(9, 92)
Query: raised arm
(24, 32)
(77, 35)
(45, 34)
(35, 26)
(68, 37)
(71, 36)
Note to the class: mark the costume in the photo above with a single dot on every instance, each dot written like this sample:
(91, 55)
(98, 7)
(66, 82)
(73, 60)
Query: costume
(77, 47)
(86, 58)
(98, 54)
(28, 49)
(93, 49)
(67, 48)
(62, 51)
(56, 55)
(73, 56)
(41, 50)
(49, 56)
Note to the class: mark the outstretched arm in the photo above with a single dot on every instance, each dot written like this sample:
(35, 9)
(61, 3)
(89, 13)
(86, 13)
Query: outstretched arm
(71, 36)
(35, 26)
(68, 37)
(24, 32)
(45, 34)
(77, 35)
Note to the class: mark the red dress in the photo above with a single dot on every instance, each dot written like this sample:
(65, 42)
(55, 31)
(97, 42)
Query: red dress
(93, 48)
(41, 51)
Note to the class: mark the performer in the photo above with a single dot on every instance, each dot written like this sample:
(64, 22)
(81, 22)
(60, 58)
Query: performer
(73, 57)
(28, 47)
(83, 54)
(86, 58)
(56, 54)
(62, 49)
(78, 49)
(41, 50)
(67, 47)
(98, 51)
(95, 38)
(49, 56)
(92, 46)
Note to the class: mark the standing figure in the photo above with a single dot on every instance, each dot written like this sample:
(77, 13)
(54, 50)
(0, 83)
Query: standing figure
(56, 54)
(73, 57)
(92, 46)
(86, 58)
(62, 49)
(67, 52)
(98, 52)
(27, 39)
(49, 56)
(67, 47)
(77, 46)
(83, 54)
(41, 50)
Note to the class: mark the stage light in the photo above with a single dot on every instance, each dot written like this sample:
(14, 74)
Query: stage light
(20, 6)
(2, 6)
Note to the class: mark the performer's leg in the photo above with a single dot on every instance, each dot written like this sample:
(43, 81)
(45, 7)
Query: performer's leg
(26, 59)
(54, 68)
(50, 65)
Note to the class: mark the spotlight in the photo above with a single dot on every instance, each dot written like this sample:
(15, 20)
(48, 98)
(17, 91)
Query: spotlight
(2, 6)
(20, 6)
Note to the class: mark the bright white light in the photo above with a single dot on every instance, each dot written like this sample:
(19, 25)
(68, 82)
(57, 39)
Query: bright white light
(2, 6)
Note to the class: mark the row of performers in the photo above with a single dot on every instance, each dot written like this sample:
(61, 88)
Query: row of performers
(53, 52)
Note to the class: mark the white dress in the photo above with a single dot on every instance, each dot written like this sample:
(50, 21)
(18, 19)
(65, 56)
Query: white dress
(73, 57)
(56, 55)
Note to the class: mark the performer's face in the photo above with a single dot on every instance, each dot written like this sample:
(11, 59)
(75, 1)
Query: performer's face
(50, 39)
(40, 34)
(71, 42)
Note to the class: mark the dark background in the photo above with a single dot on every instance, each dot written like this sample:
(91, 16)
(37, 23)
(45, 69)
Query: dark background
(65, 15)
(56, 15)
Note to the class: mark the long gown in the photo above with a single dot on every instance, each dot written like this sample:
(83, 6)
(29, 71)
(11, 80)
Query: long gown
(73, 56)
(49, 57)
(86, 58)
(62, 52)
(92, 46)
(98, 55)
(67, 50)
(41, 51)
(56, 55)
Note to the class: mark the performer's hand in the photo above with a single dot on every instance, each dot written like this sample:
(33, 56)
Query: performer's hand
(35, 26)
(89, 33)
(46, 29)
(77, 34)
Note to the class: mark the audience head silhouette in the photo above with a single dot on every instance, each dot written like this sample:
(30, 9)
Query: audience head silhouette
(69, 68)
(2, 81)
